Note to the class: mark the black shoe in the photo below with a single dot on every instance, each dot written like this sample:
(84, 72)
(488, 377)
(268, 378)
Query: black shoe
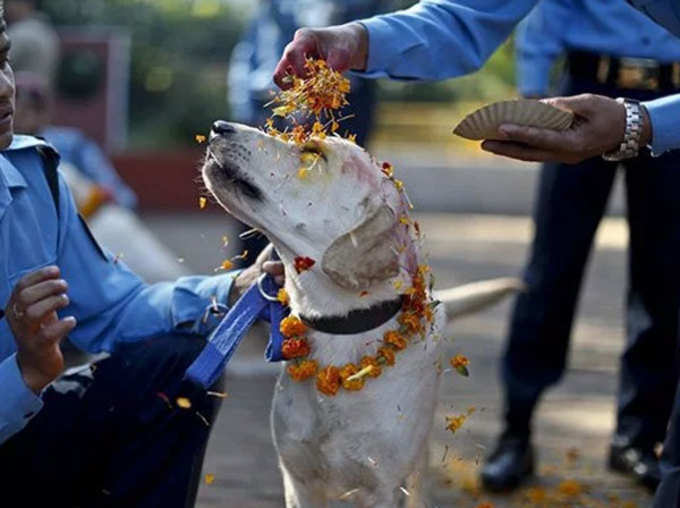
(510, 464)
(643, 465)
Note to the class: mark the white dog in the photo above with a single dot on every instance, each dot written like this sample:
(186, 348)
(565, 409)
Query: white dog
(348, 217)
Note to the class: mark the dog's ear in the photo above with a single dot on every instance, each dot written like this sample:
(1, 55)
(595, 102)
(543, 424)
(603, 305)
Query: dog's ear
(366, 254)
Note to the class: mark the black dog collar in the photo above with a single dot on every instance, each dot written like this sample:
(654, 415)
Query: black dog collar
(357, 321)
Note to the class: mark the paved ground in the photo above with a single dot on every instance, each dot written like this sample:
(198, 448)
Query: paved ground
(574, 421)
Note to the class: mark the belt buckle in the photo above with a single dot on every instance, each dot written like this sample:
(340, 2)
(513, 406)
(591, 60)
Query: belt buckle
(638, 73)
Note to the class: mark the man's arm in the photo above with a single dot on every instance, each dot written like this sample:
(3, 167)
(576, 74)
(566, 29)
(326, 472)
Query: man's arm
(538, 43)
(434, 39)
(664, 117)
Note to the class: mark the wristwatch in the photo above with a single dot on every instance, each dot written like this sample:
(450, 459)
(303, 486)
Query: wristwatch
(630, 146)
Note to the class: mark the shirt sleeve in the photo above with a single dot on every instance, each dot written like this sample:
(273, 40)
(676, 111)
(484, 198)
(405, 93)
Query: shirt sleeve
(537, 46)
(438, 39)
(112, 305)
(664, 115)
(19, 403)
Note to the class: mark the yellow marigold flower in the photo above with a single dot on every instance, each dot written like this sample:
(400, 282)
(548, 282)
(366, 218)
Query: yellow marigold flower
(328, 380)
(209, 479)
(395, 339)
(282, 297)
(369, 360)
(302, 370)
(202, 202)
(398, 184)
(294, 348)
(183, 403)
(387, 353)
(291, 326)
(454, 423)
(200, 138)
(348, 371)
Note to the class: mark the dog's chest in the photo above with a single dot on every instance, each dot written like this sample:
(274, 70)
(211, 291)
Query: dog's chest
(355, 437)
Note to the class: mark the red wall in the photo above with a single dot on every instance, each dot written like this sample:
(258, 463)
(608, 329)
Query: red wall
(167, 180)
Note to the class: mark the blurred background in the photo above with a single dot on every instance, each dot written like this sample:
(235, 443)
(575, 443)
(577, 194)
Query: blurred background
(134, 81)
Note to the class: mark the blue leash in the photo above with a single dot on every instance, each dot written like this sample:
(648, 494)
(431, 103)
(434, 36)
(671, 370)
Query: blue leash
(258, 302)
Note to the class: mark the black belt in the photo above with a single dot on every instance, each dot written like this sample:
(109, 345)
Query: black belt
(625, 73)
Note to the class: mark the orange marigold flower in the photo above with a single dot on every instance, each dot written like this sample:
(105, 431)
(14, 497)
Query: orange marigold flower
(227, 265)
(282, 296)
(200, 138)
(387, 353)
(395, 339)
(354, 384)
(297, 347)
(328, 380)
(454, 423)
(291, 326)
(570, 488)
(303, 263)
(369, 360)
(411, 322)
(302, 370)
(460, 363)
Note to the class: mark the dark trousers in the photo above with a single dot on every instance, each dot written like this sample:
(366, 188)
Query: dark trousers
(570, 202)
(113, 436)
(668, 492)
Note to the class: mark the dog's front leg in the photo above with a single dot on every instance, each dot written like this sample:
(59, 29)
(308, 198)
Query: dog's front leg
(414, 483)
(301, 495)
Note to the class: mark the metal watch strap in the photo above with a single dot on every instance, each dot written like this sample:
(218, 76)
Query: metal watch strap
(630, 146)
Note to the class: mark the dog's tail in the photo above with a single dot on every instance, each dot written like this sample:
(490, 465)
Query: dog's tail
(476, 296)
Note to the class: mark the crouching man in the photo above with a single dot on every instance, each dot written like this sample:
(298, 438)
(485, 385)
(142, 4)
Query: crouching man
(128, 430)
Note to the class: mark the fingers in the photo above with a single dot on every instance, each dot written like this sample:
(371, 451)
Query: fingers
(58, 330)
(39, 311)
(276, 270)
(584, 104)
(294, 56)
(32, 294)
(518, 151)
(546, 139)
(33, 278)
(265, 255)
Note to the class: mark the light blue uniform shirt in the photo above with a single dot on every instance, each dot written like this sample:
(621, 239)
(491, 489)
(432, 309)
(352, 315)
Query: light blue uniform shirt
(609, 27)
(112, 305)
(438, 39)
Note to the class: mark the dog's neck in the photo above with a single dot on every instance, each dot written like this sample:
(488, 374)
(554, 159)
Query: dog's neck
(314, 295)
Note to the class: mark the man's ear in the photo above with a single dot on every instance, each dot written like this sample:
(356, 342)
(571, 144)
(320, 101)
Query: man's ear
(366, 254)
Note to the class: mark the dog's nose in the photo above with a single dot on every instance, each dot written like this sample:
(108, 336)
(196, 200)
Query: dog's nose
(220, 127)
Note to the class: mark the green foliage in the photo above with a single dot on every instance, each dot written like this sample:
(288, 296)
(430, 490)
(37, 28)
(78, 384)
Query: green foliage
(180, 50)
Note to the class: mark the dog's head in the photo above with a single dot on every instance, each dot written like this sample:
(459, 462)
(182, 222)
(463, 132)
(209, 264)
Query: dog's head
(327, 200)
